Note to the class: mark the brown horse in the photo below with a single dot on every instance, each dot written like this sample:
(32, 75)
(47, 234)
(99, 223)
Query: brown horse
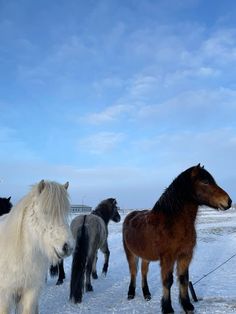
(167, 233)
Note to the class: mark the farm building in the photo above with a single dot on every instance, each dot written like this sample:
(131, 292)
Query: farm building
(80, 208)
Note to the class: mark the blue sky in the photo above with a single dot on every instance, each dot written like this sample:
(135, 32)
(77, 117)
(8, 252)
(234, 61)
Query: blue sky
(117, 97)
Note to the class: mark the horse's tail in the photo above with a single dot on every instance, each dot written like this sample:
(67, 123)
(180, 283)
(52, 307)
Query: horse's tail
(79, 264)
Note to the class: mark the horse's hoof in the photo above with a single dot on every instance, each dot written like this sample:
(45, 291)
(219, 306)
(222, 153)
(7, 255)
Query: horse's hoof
(148, 297)
(190, 310)
(188, 307)
(146, 293)
(104, 273)
(76, 300)
(89, 288)
(166, 306)
(59, 282)
(94, 275)
(168, 311)
(130, 296)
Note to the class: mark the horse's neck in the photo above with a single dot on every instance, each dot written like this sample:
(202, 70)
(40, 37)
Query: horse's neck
(176, 203)
(101, 215)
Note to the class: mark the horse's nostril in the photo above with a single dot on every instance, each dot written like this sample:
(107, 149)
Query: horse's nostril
(65, 248)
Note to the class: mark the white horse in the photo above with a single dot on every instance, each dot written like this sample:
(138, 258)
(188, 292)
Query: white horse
(34, 234)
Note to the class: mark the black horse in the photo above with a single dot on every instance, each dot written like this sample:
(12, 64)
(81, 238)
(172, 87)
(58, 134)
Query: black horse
(5, 205)
(90, 232)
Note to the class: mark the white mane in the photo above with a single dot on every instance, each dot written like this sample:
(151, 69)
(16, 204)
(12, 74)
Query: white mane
(52, 201)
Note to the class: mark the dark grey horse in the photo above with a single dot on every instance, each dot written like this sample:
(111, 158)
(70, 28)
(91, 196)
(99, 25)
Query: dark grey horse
(5, 205)
(90, 232)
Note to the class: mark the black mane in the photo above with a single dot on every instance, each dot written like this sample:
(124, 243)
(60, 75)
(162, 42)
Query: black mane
(181, 191)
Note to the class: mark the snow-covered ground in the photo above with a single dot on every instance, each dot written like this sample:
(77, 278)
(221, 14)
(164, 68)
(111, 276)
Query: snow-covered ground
(217, 292)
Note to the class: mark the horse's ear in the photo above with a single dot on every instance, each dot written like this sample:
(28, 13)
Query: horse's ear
(66, 185)
(199, 166)
(195, 171)
(9, 198)
(41, 186)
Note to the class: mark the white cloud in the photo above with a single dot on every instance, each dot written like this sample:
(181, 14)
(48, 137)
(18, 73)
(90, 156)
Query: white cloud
(71, 49)
(184, 109)
(111, 113)
(101, 142)
(221, 45)
(192, 107)
(142, 86)
(108, 83)
(213, 147)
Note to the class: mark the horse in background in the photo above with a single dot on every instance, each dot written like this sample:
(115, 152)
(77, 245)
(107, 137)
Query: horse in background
(90, 232)
(167, 233)
(5, 205)
(34, 234)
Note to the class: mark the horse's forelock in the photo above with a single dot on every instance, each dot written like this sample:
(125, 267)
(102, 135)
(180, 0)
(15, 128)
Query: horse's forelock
(54, 200)
(205, 175)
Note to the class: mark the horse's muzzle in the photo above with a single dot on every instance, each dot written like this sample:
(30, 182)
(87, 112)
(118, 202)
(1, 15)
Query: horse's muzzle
(226, 206)
(229, 202)
(67, 249)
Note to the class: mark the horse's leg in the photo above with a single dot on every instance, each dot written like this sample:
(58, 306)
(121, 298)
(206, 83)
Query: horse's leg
(105, 250)
(29, 302)
(94, 268)
(61, 273)
(133, 268)
(182, 270)
(167, 265)
(53, 270)
(144, 269)
(91, 258)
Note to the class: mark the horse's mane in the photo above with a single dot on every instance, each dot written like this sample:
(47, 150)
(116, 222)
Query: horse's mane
(102, 209)
(52, 200)
(179, 191)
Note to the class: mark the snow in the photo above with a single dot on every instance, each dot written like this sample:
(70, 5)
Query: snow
(217, 292)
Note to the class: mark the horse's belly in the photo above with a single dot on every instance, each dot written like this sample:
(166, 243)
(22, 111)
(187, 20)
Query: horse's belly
(144, 248)
(148, 255)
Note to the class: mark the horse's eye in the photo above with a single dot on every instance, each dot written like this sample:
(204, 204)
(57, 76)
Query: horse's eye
(205, 182)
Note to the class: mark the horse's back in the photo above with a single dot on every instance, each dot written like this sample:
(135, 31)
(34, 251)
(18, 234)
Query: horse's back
(94, 224)
(134, 217)
(75, 224)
